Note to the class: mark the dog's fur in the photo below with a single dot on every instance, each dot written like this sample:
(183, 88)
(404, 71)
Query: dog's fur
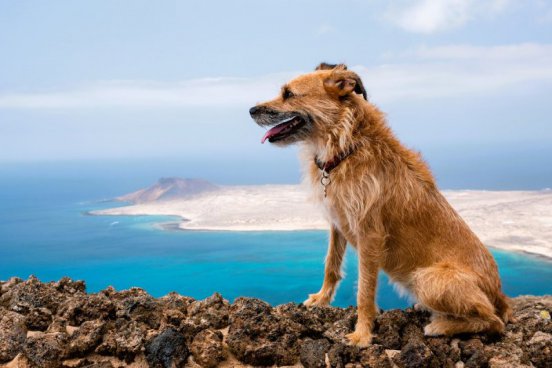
(383, 200)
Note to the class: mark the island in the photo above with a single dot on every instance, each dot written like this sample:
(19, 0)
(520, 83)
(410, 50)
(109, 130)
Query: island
(509, 220)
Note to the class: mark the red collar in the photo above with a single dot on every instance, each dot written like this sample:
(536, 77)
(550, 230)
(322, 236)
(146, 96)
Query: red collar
(334, 162)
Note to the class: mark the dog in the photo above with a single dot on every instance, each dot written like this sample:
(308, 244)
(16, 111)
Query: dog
(381, 198)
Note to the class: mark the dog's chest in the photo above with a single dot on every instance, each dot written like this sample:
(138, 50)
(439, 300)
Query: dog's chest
(335, 214)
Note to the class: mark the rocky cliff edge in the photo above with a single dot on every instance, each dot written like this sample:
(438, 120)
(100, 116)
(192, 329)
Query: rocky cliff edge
(58, 324)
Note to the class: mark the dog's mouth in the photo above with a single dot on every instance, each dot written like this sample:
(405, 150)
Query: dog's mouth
(284, 129)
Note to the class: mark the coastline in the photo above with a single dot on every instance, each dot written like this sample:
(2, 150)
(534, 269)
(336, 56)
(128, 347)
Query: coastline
(519, 221)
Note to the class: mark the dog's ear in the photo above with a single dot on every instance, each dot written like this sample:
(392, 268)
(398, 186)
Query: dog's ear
(344, 82)
(326, 66)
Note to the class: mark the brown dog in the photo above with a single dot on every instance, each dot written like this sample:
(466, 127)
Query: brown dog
(382, 199)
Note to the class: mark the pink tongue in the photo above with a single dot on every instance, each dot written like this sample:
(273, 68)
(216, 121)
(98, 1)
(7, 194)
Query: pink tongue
(272, 132)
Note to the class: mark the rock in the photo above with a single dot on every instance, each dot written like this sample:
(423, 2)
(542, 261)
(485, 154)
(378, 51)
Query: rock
(31, 294)
(125, 341)
(259, 337)
(417, 354)
(388, 327)
(45, 350)
(38, 319)
(376, 356)
(446, 351)
(314, 353)
(539, 348)
(12, 334)
(5, 286)
(473, 353)
(81, 308)
(86, 338)
(207, 348)
(167, 349)
(177, 302)
(336, 331)
(137, 305)
(58, 324)
(68, 286)
(212, 312)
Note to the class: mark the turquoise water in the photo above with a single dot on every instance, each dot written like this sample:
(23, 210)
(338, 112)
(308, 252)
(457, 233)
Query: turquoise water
(44, 231)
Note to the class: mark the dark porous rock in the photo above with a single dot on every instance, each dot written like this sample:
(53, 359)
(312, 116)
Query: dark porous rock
(12, 334)
(207, 348)
(417, 354)
(86, 338)
(68, 286)
(166, 350)
(376, 356)
(176, 301)
(539, 349)
(172, 318)
(211, 312)
(259, 337)
(337, 330)
(84, 307)
(446, 352)
(314, 353)
(45, 350)
(38, 319)
(473, 353)
(7, 285)
(388, 327)
(503, 354)
(91, 363)
(31, 294)
(125, 341)
(137, 305)
(314, 321)
(58, 324)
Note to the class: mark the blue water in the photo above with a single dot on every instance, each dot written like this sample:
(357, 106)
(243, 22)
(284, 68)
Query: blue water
(44, 231)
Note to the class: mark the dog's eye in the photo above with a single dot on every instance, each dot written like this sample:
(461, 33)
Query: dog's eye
(287, 94)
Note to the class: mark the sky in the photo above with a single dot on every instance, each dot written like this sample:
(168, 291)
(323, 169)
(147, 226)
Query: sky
(466, 82)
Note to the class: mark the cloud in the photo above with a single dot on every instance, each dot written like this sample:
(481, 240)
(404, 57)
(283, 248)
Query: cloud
(435, 72)
(147, 94)
(430, 16)
(424, 72)
(324, 29)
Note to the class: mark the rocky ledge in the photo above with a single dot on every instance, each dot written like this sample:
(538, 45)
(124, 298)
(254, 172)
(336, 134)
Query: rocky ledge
(58, 324)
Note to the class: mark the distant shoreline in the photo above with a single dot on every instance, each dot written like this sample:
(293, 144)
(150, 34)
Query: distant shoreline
(509, 220)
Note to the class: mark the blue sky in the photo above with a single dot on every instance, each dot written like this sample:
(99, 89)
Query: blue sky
(462, 81)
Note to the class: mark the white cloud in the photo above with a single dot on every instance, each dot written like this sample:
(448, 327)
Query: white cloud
(434, 72)
(146, 94)
(429, 16)
(324, 29)
(425, 72)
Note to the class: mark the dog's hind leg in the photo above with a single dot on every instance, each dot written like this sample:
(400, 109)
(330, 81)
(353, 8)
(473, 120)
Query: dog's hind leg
(457, 302)
(450, 325)
(332, 270)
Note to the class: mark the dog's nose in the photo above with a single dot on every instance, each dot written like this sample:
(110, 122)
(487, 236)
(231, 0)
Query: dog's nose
(253, 110)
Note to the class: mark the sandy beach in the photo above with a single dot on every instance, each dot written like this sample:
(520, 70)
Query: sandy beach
(510, 220)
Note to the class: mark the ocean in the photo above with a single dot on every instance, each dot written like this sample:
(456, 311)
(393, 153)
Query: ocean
(45, 231)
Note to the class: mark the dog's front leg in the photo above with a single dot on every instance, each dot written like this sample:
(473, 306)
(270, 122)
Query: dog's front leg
(332, 269)
(369, 255)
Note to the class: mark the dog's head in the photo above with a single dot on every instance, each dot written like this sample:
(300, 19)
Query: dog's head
(309, 105)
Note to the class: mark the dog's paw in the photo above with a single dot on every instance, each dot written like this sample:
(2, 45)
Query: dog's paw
(433, 329)
(319, 299)
(360, 339)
